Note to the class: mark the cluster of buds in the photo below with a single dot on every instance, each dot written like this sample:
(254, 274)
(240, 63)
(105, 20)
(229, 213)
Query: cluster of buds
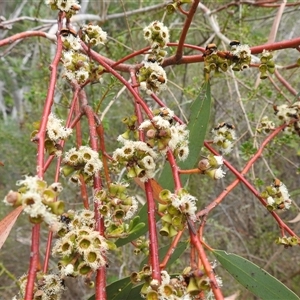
(287, 241)
(176, 209)
(224, 135)
(55, 132)
(81, 164)
(46, 287)
(70, 7)
(116, 204)
(38, 200)
(141, 246)
(212, 166)
(172, 7)
(277, 196)
(265, 126)
(197, 282)
(241, 56)
(289, 113)
(213, 61)
(138, 158)
(131, 130)
(163, 134)
(82, 250)
(266, 64)
(169, 288)
(152, 78)
(185, 286)
(173, 289)
(93, 35)
(78, 66)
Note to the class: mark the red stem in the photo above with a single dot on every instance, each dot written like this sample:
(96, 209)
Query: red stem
(185, 29)
(34, 261)
(22, 35)
(34, 258)
(174, 168)
(207, 267)
(152, 233)
(171, 249)
(285, 83)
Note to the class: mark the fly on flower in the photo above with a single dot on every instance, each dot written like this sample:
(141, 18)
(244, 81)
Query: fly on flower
(210, 48)
(66, 31)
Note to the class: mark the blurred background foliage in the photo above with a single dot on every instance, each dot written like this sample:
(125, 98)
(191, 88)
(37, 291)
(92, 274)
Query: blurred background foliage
(240, 224)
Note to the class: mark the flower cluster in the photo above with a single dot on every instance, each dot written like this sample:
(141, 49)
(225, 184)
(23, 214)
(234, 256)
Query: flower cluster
(138, 158)
(158, 36)
(198, 282)
(241, 57)
(212, 166)
(266, 125)
(71, 41)
(163, 134)
(71, 7)
(287, 241)
(176, 209)
(185, 286)
(55, 130)
(47, 287)
(266, 64)
(37, 199)
(170, 288)
(83, 162)
(224, 135)
(82, 250)
(152, 78)
(78, 66)
(93, 35)
(213, 61)
(277, 196)
(116, 204)
(289, 113)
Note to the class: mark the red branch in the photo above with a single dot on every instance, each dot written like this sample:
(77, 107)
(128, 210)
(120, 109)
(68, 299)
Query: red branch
(240, 177)
(185, 29)
(207, 267)
(34, 261)
(152, 233)
(22, 35)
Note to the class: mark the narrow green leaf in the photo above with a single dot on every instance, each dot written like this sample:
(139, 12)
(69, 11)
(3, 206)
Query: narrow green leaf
(133, 222)
(252, 277)
(181, 247)
(198, 123)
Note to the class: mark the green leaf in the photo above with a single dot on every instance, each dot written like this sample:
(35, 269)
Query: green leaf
(252, 277)
(122, 289)
(198, 123)
(181, 247)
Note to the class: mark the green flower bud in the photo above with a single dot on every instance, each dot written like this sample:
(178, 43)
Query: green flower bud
(84, 269)
(165, 195)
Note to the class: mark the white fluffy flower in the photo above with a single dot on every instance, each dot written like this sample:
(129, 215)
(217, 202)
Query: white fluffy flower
(55, 130)
(219, 173)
